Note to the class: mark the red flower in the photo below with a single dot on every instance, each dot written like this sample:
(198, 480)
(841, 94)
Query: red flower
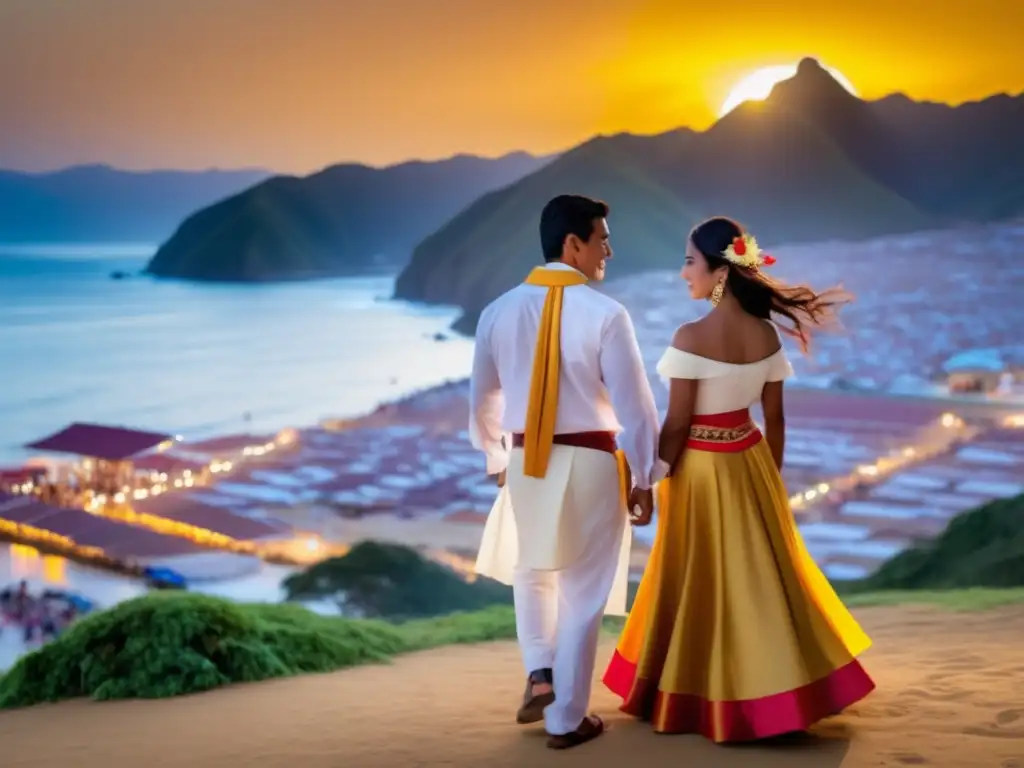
(739, 246)
(768, 259)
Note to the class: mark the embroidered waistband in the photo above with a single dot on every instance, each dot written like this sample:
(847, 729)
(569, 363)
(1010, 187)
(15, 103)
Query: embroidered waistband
(723, 432)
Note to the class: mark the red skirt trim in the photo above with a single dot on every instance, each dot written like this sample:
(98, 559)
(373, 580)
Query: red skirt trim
(742, 720)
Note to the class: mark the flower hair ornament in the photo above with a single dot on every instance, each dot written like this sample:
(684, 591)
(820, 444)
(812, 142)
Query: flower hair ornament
(744, 252)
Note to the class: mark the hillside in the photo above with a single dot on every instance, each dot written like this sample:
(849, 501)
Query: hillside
(346, 219)
(810, 163)
(983, 547)
(102, 204)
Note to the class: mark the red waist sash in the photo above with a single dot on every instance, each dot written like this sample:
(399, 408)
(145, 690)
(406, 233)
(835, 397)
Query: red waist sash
(597, 441)
(729, 432)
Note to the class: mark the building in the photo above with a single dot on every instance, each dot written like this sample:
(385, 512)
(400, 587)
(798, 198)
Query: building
(982, 371)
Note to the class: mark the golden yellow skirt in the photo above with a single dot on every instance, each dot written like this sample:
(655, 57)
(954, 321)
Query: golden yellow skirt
(735, 633)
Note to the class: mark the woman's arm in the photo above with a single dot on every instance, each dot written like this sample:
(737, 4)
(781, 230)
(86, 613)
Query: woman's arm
(675, 431)
(774, 420)
(682, 394)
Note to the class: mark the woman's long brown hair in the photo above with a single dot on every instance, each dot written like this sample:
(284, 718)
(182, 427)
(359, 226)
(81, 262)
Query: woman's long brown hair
(763, 296)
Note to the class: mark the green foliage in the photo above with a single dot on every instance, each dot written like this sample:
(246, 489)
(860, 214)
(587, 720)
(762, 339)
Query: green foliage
(983, 547)
(378, 580)
(495, 623)
(174, 643)
(974, 599)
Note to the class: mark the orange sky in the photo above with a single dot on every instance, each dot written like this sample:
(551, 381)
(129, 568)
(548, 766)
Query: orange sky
(297, 84)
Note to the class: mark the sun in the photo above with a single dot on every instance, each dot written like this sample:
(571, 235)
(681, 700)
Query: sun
(758, 84)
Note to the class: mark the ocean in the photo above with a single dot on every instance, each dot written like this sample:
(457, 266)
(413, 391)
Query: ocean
(194, 359)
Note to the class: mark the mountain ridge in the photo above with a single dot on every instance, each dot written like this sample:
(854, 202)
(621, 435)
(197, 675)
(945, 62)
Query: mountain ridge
(102, 203)
(345, 219)
(812, 162)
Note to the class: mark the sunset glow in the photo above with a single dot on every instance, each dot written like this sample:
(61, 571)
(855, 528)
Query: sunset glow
(267, 85)
(758, 85)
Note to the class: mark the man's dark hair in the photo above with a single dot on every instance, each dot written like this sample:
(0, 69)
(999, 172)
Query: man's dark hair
(568, 215)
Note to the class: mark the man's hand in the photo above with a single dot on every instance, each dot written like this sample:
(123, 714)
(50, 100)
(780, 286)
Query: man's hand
(500, 479)
(641, 506)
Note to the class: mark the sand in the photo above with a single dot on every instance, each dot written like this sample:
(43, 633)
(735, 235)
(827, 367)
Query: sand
(950, 693)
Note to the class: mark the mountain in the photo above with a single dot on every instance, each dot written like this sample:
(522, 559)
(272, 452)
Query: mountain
(345, 219)
(810, 163)
(97, 203)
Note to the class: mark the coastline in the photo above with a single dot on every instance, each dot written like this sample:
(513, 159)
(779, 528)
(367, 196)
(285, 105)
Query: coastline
(446, 514)
(204, 360)
(398, 466)
(422, 436)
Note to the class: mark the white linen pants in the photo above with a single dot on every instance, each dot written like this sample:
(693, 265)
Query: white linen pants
(559, 610)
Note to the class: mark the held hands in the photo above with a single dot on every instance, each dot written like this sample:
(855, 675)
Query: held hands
(641, 506)
(500, 479)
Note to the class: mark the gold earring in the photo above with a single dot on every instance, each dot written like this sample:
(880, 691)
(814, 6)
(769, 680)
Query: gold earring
(716, 293)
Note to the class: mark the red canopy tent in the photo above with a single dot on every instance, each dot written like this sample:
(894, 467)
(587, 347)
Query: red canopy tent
(96, 441)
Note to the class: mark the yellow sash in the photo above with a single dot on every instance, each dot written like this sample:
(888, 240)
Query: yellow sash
(539, 430)
(547, 359)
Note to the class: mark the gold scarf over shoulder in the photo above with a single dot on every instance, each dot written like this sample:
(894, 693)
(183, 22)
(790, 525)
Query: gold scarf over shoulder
(540, 414)
(539, 431)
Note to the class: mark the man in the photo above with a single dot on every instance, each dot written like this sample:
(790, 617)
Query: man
(557, 381)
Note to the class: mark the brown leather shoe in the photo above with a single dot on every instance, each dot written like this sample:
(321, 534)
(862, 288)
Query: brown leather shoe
(532, 708)
(591, 727)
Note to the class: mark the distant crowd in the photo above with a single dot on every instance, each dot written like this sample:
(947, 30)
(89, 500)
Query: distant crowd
(40, 617)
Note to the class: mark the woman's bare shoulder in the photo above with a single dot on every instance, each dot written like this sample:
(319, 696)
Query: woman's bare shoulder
(770, 334)
(689, 337)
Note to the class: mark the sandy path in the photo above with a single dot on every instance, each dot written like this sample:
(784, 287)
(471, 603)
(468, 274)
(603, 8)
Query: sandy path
(951, 693)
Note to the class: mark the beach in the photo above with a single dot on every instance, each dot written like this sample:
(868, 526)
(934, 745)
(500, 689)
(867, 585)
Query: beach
(948, 696)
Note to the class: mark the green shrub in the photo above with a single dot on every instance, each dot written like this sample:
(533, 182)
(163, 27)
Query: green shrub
(169, 644)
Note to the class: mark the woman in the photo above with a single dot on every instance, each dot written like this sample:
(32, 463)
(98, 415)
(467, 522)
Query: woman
(734, 633)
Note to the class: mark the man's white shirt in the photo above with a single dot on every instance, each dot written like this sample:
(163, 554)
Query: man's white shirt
(602, 383)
